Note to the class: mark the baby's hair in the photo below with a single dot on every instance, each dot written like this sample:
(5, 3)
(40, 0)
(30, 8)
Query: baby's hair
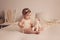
(26, 11)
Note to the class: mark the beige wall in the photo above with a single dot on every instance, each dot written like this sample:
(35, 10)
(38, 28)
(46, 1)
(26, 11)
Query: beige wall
(49, 9)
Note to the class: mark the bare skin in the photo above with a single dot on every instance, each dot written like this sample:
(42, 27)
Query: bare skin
(29, 31)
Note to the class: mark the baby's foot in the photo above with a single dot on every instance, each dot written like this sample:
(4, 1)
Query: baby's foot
(37, 32)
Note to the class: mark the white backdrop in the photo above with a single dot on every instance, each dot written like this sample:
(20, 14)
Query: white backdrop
(49, 9)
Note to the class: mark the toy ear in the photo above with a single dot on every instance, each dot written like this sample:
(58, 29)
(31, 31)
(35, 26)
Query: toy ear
(38, 19)
(35, 29)
(37, 15)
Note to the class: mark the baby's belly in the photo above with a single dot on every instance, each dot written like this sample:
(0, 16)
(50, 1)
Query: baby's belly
(27, 25)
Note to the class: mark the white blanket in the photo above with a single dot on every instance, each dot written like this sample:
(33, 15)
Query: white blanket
(12, 33)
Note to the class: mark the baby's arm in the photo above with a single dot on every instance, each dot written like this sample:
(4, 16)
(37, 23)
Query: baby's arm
(21, 23)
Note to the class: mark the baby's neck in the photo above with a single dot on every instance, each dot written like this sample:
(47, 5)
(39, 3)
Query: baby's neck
(27, 19)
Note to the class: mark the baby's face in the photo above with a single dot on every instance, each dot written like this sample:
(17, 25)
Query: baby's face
(28, 15)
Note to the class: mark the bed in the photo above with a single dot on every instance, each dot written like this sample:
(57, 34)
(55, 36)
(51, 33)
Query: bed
(12, 33)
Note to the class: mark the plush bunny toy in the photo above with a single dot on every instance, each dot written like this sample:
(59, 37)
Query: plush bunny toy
(36, 24)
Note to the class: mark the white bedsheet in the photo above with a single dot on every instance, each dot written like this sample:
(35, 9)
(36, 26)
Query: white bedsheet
(10, 35)
(52, 33)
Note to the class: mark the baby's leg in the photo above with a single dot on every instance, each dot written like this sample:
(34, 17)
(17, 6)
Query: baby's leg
(35, 32)
(29, 31)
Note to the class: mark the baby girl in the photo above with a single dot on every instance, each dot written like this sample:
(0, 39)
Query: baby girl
(26, 23)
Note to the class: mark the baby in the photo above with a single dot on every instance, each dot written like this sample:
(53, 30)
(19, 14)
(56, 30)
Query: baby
(26, 23)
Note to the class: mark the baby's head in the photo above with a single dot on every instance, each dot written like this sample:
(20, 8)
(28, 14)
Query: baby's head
(26, 13)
